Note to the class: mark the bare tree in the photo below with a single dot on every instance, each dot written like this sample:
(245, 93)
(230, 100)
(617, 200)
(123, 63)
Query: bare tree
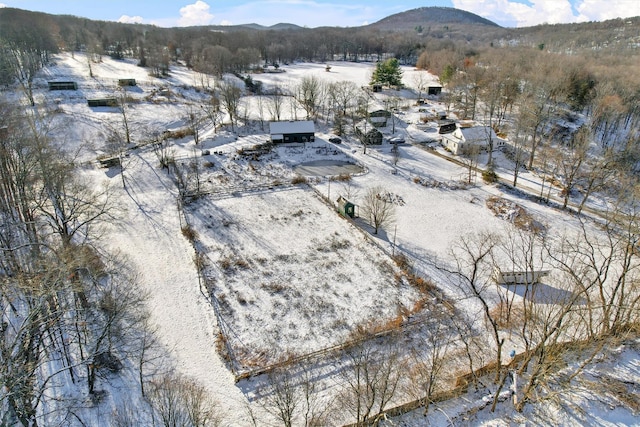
(469, 158)
(420, 80)
(194, 119)
(19, 235)
(291, 396)
(107, 315)
(212, 110)
(342, 95)
(378, 208)
(604, 269)
(472, 271)
(276, 103)
(540, 319)
(164, 151)
(72, 207)
(517, 149)
(282, 397)
(181, 401)
(26, 49)
(371, 381)
(349, 190)
(123, 108)
(570, 161)
(428, 367)
(537, 103)
(308, 94)
(230, 98)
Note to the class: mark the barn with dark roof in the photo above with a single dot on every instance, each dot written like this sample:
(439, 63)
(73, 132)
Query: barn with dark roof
(292, 131)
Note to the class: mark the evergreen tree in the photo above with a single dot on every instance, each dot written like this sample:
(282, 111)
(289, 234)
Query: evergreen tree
(387, 73)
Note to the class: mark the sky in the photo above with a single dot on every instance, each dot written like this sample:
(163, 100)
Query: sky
(317, 13)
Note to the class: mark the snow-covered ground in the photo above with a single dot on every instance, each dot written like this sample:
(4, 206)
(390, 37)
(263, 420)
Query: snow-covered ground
(291, 275)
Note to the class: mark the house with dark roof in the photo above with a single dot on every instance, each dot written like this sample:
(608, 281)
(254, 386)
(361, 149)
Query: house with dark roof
(292, 131)
(379, 118)
(369, 137)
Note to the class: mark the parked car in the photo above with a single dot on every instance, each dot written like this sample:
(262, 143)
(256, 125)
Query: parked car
(396, 140)
(335, 140)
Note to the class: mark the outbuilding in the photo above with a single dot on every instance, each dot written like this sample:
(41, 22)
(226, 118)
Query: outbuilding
(102, 102)
(466, 138)
(434, 90)
(518, 277)
(63, 85)
(446, 126)
(127, 82)
(370, 137)
(345, 207)
(292, 131)
(379, 118)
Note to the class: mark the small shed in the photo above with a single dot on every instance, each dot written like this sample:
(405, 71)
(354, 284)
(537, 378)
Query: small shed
(126, 82)
(345, 207)
(518, 277)
(102, 102)
(434, 90)
(63, 85)
(109, 162)
(292, 131)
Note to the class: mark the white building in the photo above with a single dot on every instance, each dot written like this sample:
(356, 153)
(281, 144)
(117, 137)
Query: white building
(465, 138)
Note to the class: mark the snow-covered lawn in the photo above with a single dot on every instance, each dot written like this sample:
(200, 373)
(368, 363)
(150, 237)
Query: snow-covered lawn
(291, 275)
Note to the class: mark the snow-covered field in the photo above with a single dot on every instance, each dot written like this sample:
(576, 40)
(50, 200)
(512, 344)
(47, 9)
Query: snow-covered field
(290, 275)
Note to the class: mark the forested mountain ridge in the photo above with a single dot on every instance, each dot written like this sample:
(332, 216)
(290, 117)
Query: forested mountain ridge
(425, 16)
(403, 35)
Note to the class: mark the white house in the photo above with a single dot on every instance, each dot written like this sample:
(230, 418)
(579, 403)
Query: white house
(465, 137)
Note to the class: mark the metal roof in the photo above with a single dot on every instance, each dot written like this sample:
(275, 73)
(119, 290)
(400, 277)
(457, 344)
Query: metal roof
(301, 126)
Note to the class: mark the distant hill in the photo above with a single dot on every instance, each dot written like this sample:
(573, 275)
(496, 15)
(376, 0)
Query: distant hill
(428, 16)
(253, 26)
(404, 34)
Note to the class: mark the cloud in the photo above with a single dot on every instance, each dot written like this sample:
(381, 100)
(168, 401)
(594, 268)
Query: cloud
(514, 14)
(511, 13)
(597, 10)
(126, 19)
(3, 5)
(195, 14)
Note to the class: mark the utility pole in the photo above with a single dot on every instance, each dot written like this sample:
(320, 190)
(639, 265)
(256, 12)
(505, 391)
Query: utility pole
(393, 247)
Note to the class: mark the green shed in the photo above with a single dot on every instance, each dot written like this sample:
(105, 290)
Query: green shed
(345, 207)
